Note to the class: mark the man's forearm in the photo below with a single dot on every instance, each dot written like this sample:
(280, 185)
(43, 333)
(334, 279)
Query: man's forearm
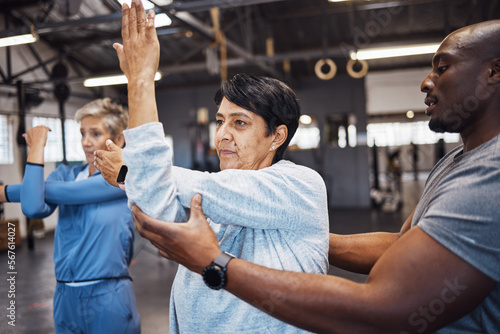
(315, 302)
(358, 252)
(411, 275)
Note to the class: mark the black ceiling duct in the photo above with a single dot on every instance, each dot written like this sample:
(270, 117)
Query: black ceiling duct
(69, 7)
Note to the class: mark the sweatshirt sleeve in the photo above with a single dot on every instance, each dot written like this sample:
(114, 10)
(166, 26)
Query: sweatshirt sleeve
(33, 202)
(13, 193)
(39, 198)
(92, 190)
(149, 183)
(269, 198)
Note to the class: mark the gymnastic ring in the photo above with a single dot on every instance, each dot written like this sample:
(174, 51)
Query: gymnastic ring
(352, 72)
(319, 72)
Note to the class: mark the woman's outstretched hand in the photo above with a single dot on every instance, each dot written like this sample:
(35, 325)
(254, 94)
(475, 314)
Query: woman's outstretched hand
(139, 55)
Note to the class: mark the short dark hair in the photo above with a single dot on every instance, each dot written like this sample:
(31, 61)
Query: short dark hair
(269, 98)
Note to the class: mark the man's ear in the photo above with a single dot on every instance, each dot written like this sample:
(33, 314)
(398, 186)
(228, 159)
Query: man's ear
(494, 77)
(120, 140)
(280, 135)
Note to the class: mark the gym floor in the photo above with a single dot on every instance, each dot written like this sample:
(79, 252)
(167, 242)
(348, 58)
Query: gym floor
(153, 275)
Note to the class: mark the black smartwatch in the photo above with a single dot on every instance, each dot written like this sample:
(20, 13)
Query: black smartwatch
(122, 174)
(214, 275)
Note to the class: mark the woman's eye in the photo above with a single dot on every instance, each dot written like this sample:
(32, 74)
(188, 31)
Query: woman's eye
(219, 122)
(240, 122)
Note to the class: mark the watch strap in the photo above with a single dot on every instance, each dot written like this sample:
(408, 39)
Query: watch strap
(122, 174)
(223, 259)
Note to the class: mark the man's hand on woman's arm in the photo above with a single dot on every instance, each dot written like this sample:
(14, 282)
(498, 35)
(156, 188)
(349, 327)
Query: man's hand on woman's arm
(192, 244)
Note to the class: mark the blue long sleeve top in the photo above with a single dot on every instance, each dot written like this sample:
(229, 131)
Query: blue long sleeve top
(94, 234)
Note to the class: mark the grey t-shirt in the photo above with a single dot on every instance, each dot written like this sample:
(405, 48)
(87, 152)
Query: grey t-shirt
(460, 208)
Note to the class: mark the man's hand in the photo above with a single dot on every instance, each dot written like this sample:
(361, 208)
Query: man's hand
(192, 244)
(109, 162)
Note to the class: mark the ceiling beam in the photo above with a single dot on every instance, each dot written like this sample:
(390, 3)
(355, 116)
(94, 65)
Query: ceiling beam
(205, 5)
(206, 30)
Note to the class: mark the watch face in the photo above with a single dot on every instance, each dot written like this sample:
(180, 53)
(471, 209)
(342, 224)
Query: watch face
(214, 277)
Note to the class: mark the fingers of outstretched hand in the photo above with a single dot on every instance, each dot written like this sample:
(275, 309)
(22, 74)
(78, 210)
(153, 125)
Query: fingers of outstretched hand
(132, 21)
(125, 22)
(141, 18)
(150, 25)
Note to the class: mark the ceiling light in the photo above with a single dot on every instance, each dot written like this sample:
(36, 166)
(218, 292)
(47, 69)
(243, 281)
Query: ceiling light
(19, 39)
(147, 5)
(410, 114)
(305, 119)
(397, 51)
(162, 20)
(111, 80)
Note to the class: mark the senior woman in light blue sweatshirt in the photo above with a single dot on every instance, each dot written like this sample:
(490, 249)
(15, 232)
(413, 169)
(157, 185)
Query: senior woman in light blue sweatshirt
(262, 208)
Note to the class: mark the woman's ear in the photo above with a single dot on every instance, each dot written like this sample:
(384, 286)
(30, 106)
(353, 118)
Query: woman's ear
(280, 135)
(119, 140)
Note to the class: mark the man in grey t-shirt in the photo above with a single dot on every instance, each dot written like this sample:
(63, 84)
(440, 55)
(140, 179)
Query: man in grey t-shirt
(440, 272)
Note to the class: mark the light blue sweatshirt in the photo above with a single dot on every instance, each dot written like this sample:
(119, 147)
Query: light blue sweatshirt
(276, 217)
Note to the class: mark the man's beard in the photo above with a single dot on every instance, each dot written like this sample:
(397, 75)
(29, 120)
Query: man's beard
(448, 123)
(436, 125)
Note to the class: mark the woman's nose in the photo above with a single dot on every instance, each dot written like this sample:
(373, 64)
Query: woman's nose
(86, 141)
(224, 132)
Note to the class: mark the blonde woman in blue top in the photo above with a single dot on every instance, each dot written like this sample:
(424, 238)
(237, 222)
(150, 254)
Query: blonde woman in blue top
(94, 237)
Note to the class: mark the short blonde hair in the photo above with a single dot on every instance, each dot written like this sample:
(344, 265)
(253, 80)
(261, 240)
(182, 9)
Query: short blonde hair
(114, 116)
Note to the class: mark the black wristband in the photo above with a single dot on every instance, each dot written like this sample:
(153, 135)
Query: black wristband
(122, 174)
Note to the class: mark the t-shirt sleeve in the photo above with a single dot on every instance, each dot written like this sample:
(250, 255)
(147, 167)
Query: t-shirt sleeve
(464, 216)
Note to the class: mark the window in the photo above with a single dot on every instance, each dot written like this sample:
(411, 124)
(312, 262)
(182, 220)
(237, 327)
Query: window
(307, 135)
(6, 141)
(54, 147)
(398, 134)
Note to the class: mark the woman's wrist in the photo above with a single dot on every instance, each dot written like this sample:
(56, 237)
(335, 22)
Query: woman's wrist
(3, 198)
(36, 155)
